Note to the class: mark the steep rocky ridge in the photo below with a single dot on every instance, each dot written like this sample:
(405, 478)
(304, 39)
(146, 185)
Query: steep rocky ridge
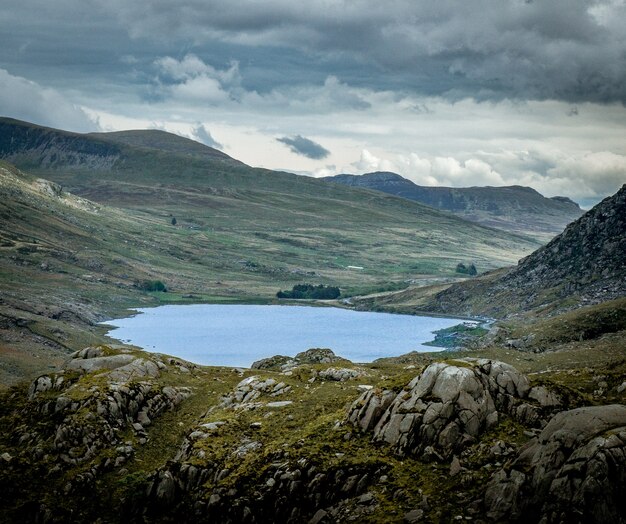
(585, 264)
(513, 208)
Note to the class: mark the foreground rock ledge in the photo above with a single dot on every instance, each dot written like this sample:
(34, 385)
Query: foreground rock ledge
(445, 408)
(574, 471)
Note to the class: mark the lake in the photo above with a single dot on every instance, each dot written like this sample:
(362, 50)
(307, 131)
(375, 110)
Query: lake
(238, 335)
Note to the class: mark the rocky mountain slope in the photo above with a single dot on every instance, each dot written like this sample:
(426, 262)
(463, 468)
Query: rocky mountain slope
(514, 208)
(586, 264)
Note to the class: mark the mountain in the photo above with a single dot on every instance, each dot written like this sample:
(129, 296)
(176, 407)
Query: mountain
(514, 208)
(266, 217)
(584, 265)
(92, 221)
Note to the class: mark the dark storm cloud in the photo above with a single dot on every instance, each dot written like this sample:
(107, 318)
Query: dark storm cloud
(572, 50)
(305, 147)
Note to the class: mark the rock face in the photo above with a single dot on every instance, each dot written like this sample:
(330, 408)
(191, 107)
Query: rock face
(247, 393)
(287, 491)
(586, 262)
(114, 393)
(575, 471)
(445, 408)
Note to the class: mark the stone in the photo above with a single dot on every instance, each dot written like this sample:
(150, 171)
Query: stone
(455, 466)
(575, 470)
(166, 487)
(320, 517)
(280, 404)
(40, 385)
(339, 374)
(445, 408)
(99, 363)
(413, 516)
(544, 397)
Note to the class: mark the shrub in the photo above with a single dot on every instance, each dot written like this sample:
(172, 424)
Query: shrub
(466, 270)
(308, 291)
(153, 285)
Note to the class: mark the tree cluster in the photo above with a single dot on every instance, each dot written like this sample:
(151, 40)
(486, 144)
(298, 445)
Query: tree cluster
(466, 270)
(309, 291)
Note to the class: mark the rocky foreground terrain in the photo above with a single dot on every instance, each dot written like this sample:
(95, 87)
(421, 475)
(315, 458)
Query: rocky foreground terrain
(120, 435)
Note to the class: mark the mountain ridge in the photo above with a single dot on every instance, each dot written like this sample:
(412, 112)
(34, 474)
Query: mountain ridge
(584, 265)
(513, 208)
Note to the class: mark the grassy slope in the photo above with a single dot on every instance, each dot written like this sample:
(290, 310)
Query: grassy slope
(514, 208)
(66, 262)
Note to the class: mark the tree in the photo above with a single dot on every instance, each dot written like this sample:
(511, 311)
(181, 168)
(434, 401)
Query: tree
(173, 221)
(308, 291)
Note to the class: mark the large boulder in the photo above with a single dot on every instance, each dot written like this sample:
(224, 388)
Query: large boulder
(446, 407)
(574, 471)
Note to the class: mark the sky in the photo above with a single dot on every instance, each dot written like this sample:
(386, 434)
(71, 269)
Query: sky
(478, 92)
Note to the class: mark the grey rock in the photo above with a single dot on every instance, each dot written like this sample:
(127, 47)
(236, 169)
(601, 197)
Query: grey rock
(138, 368)
(340, 374)
(213, 426)
(445, 408)
(39, 385)
(89, 352)
(99, 363)
(280, 404)
(413, 516)
(320, 517)
(166, 487)
(574, 471)
(455, 467)
(366, 498)
(544, 397)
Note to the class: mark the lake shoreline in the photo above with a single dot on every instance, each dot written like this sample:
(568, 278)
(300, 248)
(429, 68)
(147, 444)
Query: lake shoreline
(286, 327)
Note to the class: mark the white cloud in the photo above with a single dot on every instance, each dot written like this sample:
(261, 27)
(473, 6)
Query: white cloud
(26, 100)
(192, 80)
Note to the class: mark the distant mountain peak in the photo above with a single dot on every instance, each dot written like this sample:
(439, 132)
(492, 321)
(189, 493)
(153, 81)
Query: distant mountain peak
(515, 208)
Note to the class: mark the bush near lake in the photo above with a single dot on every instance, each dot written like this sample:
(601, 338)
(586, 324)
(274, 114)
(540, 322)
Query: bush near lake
(153, 285)
(310, 291)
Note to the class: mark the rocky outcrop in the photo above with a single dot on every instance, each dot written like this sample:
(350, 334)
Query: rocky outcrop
(340, 374)
(446, 408)
(247, 393)
(574, 471)
(112, 394)
(285, 491)
(310, 356)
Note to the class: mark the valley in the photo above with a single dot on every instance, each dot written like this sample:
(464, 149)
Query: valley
(95, 430)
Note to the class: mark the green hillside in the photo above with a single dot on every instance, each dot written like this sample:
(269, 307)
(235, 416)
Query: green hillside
(152, 206)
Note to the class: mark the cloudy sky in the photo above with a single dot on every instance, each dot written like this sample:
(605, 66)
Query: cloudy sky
(478, 92)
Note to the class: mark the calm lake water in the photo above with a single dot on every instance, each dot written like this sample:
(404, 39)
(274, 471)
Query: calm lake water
(237, 335)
